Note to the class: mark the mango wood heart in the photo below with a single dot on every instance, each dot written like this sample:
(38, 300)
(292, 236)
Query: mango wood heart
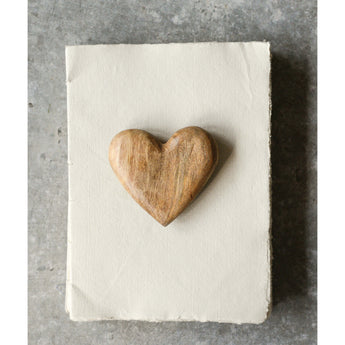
(163, 178)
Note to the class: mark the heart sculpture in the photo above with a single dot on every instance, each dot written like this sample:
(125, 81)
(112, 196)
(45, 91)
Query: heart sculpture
(163, 178)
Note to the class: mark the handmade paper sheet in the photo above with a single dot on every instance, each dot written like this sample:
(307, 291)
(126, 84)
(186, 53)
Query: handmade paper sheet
(213, 262)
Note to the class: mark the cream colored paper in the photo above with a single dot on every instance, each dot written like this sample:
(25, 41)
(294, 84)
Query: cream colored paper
(213, 262)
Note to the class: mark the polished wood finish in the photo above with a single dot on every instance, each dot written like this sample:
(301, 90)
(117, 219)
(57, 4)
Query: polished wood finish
(163, 178)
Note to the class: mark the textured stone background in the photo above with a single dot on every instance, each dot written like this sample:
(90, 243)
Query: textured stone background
(291, 28)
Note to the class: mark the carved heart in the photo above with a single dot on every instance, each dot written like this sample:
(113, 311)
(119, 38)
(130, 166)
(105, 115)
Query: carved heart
(163, 178)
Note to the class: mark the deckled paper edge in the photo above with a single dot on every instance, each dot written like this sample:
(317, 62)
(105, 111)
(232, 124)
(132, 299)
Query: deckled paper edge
(269, 247)
(69, 237)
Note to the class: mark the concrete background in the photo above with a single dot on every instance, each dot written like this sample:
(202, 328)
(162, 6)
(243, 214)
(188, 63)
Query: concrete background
(291, 28)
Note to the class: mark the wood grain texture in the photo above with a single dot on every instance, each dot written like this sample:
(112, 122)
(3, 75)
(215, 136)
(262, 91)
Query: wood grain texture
(163, 178)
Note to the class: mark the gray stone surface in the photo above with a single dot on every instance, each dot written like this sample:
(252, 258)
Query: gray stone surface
(291, 28)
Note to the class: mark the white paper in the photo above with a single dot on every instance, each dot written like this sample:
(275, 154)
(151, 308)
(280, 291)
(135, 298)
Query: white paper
(213, 262)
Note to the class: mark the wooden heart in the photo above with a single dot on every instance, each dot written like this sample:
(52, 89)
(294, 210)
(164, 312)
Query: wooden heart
(163, 178)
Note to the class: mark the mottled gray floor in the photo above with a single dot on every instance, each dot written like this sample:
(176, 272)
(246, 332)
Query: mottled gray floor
(291, 27)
